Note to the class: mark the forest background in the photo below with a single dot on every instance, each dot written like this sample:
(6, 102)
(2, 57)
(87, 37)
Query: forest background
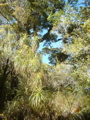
(31, 89)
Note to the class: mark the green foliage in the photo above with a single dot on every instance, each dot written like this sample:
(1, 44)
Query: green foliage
(30, 89)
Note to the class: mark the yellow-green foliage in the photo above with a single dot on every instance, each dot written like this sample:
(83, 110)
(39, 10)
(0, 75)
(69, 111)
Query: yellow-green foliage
(35, 90)
(86, 26)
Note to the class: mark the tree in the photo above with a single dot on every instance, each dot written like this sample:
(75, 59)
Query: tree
(30, 89)
(74, 29)
(21, 25)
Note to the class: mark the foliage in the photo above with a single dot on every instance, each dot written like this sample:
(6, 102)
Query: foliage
(30, 89)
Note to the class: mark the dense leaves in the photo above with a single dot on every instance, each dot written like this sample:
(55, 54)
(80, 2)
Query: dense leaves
(29, 88)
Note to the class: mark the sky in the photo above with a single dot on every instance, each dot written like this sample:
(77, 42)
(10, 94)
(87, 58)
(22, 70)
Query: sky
(54, 44)
(45, 57)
